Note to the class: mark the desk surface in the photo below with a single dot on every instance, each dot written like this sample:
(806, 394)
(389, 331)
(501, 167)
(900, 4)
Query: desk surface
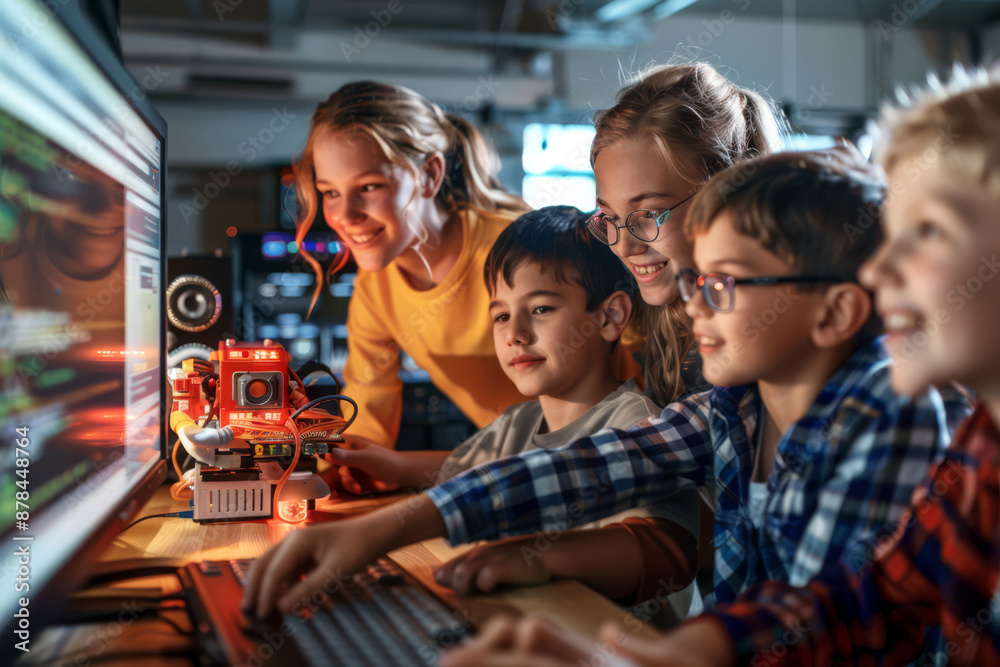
(568, 603)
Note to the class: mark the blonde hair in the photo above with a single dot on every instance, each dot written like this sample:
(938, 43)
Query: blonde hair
(957, 122)
(700, 123)
(408, 129)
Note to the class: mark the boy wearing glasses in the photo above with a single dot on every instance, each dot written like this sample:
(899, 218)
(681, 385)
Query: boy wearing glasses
(806, 446)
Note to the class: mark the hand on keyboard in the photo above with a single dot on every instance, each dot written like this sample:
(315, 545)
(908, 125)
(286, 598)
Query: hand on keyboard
(329, 554)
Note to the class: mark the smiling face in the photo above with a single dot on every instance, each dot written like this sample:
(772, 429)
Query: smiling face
(935, 279)
(546, 341)
(767, 335)
(631, 175)
(365, 197)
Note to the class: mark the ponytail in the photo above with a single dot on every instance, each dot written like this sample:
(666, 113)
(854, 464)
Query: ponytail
(471, 179)
(765, 130)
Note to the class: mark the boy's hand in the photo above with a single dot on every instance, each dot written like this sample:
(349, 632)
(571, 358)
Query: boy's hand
(327, 555)
(487, 565)
(537, 642)
(362, 467)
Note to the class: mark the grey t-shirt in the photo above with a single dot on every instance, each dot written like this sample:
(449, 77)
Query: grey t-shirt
(517, 430)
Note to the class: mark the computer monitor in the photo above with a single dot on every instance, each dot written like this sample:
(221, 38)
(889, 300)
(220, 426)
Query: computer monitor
(82, 338)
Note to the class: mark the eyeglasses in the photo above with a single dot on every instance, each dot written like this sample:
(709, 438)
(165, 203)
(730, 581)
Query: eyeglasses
(643, 224)
(719, 289)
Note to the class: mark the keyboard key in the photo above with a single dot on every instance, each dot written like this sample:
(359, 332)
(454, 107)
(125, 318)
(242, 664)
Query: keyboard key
(311, 647)
(379, 618)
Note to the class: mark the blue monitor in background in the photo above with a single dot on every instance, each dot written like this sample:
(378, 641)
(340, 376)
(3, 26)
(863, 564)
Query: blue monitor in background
(82, 157)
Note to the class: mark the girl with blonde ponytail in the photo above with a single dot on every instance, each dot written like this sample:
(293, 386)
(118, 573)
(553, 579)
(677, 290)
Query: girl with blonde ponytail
(413, 193)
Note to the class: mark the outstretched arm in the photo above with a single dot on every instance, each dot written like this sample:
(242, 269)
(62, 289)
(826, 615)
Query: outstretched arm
(603, 475)
(843, 615)
(537, 642)
(371, 375)
(587, 480)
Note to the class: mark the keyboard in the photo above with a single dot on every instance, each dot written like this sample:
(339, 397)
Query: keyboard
(382, 617)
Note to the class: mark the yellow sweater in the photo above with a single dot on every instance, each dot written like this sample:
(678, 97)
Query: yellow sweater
(446, 329)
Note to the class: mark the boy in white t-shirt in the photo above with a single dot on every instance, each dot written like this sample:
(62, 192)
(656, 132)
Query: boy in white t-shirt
(559, 303)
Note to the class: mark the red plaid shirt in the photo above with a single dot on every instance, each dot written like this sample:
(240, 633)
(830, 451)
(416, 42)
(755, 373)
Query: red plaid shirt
(940, 567)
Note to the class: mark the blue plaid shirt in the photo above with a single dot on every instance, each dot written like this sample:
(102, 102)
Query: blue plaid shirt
(841, 473)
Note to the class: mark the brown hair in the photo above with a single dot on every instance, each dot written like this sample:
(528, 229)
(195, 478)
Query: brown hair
(957, 122)
(409, 129)
(555, 238)
(820, 211)
(701, 124)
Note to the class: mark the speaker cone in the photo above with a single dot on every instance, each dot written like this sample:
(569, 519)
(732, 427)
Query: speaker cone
(193, 303)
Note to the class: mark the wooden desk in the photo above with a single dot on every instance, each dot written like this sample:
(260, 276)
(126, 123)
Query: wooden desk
(180, 541)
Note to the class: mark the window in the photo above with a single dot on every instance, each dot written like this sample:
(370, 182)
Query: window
(556, 161)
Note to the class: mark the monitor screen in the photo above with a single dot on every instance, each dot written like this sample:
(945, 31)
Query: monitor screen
(81, 299)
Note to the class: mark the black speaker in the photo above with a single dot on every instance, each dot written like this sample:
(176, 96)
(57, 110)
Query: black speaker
(199, 306)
